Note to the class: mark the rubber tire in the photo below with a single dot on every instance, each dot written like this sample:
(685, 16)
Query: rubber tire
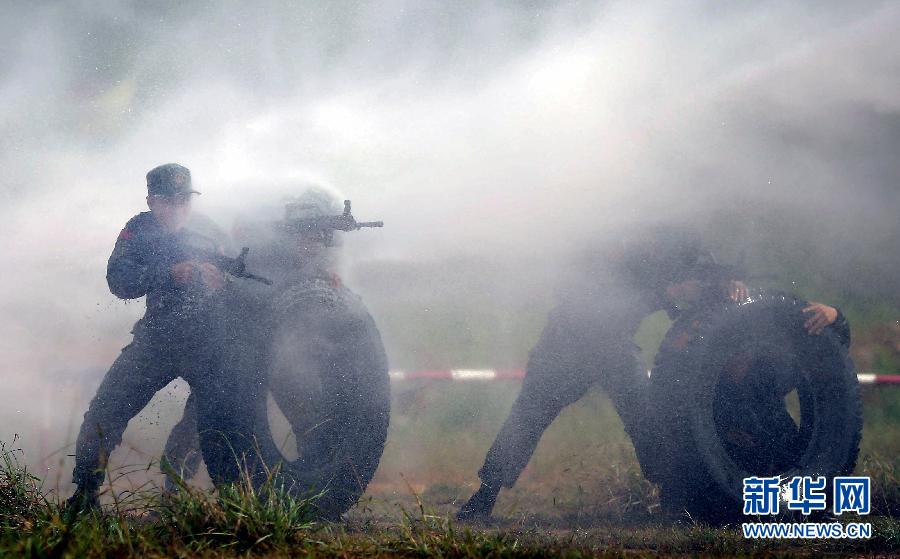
(342, 349)
(703, 477)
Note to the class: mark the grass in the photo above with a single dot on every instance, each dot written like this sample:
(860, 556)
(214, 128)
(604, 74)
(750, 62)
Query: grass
(237, 518)
(239, 521)
(581, 496)
(21, 498)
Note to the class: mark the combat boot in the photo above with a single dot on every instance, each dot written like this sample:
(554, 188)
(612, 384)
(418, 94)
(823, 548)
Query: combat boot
(84, 500)
(480, 505)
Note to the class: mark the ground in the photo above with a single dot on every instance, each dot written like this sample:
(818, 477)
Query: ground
(581, 495)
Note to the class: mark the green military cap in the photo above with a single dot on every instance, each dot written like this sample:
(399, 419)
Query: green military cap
(170, 179)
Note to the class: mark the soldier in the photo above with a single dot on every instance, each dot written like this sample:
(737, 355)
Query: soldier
(303, 263)
(310, 342)
(588, 340)
(159, 254)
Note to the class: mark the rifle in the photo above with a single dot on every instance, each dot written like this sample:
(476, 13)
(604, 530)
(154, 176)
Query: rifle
(324, 225)
(710, 271)
(236, 267)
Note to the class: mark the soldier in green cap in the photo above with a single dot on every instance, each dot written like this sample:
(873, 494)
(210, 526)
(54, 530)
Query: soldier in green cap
(156, 255)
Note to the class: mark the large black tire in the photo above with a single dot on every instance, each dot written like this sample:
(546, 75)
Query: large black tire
(328, 374)
(719, 386)
(316, 349)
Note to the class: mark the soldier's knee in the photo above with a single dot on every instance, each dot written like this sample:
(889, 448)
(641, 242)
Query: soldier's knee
(102, 420)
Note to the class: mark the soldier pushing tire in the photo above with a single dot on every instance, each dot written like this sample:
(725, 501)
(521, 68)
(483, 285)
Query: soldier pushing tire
(714, 408)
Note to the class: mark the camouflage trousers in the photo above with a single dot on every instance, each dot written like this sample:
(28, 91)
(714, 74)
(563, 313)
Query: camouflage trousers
(561, 369)
(156, 356)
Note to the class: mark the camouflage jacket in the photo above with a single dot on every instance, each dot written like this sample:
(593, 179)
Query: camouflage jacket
(141, 263)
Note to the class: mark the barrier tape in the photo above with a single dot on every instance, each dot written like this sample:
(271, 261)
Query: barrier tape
(514, 374)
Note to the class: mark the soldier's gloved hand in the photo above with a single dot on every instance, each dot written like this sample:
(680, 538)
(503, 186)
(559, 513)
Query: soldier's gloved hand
(212, 277)
(737, 291)
(688, 291)
(184, 272)
(205, 273)
(821, 316)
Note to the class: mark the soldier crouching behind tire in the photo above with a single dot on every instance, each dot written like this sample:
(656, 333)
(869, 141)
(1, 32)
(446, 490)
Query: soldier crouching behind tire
(320, 355)
(587, 341)
(719, 388)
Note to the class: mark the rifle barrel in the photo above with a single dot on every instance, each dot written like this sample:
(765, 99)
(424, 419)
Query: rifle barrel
(370, 224)
(260, 279)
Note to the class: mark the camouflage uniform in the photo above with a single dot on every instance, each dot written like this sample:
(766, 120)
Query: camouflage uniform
(588, 340)
(179, 335)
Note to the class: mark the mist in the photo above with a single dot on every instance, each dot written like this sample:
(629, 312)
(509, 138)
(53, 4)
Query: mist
(479, 132)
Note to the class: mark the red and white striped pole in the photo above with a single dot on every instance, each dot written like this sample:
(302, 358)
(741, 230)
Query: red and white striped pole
(458, 375)
(874, 378)
(518, 374)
